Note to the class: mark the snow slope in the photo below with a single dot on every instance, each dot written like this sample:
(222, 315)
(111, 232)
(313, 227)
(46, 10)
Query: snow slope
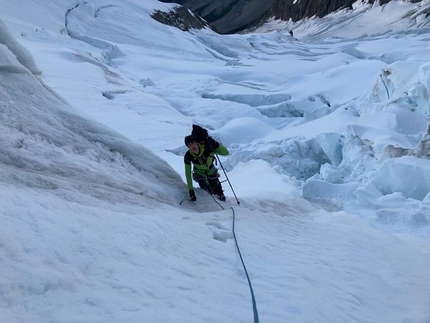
(96, 99)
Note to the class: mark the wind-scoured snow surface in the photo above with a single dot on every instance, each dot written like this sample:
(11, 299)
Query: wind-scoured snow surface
(329, 142)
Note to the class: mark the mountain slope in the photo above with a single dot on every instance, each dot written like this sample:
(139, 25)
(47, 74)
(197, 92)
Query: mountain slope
(230, 16)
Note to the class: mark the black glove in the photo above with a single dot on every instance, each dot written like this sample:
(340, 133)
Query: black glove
(192, 196)
(210, 142)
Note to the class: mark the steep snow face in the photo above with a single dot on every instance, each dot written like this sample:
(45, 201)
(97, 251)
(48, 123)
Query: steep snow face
(46, 143)
(15, 52)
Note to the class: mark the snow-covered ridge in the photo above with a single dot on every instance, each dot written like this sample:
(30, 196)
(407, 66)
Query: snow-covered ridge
(46, 143)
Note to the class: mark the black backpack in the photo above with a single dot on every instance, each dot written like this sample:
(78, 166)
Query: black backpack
(199, 133)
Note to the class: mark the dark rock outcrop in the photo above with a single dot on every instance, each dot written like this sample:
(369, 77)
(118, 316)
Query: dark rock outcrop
(227, 16)
(231, 16)
(297, 10)
(181, 18)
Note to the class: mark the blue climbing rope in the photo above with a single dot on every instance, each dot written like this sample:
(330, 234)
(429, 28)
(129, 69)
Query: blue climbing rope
(254, 303)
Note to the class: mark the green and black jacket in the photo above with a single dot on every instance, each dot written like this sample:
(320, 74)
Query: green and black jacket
(203, 162)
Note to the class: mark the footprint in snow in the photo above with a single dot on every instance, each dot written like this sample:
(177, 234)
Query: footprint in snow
(220, 232)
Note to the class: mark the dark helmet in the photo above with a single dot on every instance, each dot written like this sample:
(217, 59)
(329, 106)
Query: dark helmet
(189, 139)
